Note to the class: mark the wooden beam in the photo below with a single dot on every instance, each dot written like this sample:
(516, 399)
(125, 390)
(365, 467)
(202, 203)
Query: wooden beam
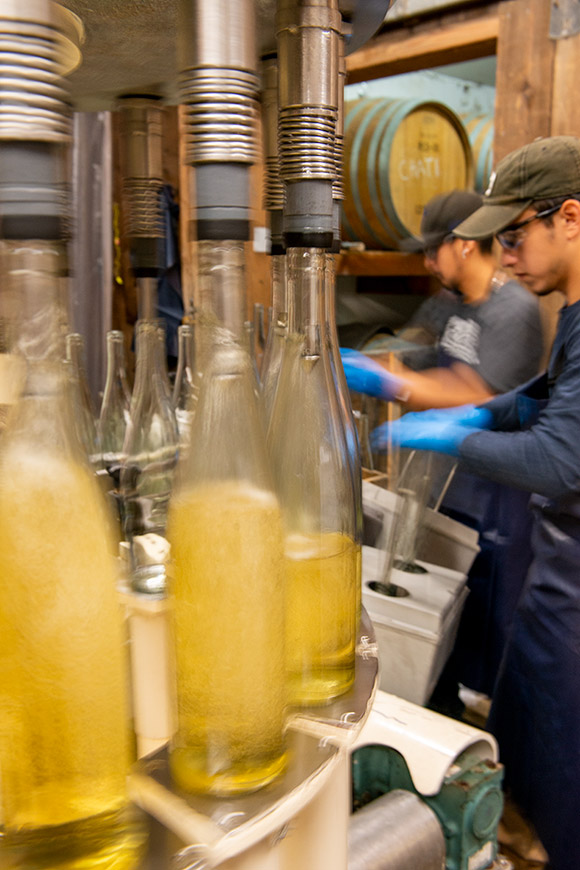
(380, 263)
(524, 75)
(446, 39)
(565, 117)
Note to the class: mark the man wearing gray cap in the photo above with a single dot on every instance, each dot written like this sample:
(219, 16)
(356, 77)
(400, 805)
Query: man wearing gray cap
(489, 341)
(530, 438)
(479, 353)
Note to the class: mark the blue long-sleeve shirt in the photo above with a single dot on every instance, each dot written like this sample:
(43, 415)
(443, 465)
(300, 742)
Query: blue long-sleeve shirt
(537, 452)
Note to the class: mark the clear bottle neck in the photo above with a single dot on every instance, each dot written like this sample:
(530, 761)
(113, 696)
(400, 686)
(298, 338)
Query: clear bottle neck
(151, 364)
(278, 264)
(33, 298)
(184, 375)
(222, 294)
(306, 297)
(116, 372)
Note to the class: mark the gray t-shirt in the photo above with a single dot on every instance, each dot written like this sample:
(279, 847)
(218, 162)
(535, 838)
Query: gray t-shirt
(501, 338)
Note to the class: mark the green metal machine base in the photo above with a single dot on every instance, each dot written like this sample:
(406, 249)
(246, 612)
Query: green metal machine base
(468, 806)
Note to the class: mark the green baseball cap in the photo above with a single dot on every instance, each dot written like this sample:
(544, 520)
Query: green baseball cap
(440, 217)
(544, 169)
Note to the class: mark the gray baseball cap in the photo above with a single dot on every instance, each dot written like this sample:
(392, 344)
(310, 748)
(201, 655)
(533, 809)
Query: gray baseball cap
(544, 169)
(440, 217)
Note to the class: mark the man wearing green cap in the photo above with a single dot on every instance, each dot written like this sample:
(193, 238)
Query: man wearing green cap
(530, 438)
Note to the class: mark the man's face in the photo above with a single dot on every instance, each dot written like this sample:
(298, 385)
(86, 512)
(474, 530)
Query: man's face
(537, 256)
(443, 263)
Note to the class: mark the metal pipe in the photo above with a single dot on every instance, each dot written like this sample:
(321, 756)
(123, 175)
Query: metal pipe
(273, 185)
(308, 34)
(338, 183)
(39, 44)
(397, 831)
(219, 87)
(142, 135)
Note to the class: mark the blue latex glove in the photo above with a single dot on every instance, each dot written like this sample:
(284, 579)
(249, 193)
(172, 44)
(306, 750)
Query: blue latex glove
(465, 415)
(425, 430)
(363, 375)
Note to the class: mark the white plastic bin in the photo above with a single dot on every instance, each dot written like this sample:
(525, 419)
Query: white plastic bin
(415, 634)
(443, 541)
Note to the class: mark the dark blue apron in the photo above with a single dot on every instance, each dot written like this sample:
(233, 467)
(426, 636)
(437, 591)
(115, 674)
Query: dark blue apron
(501, 516)
(535, 714)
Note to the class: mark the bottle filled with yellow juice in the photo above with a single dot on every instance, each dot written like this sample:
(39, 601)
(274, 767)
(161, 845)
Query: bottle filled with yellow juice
(321, 577)
(319, 494)
(64, 729)
(226, 542)
(226, 580)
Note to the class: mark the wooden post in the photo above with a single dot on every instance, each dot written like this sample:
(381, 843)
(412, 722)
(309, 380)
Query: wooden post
(524, 74)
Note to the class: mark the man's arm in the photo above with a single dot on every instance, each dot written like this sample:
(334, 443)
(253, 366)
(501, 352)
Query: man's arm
(544, 458)
(444, 387)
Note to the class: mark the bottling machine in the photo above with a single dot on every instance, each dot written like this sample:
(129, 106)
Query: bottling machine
(426, 789)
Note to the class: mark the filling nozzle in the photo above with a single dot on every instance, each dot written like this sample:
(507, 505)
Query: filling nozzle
(308, 36)
(219, 88)
(142, 136)
(338, 183)
(273, 184)
(39, 44)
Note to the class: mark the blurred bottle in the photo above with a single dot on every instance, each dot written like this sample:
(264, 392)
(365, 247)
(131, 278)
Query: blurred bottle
(227, 569)
(114, 416)
(315, 483)
(151, 449)
(64, 728)
(113, 420)
(183, 387)
(259, 335)
(250, 345)
(353, 442)
(277, 330)
(84, 413)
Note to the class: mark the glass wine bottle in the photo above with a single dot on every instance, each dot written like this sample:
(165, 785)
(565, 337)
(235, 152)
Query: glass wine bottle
(227, 574)
(316, 487)
(65, 750)
(183, 388)
(151, 450)
(84, 416)
(277, 330)
(346, 415)
(114, 417)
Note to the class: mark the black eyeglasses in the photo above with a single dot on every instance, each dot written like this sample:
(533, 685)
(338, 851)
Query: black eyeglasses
(512, 237)
(430, 252)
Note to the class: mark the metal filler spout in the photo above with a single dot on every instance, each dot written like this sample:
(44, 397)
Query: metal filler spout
(142, 126)
(308, 35)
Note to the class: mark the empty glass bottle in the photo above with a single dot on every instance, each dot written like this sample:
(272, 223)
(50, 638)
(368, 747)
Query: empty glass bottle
(347, 419)
(183, 387)
(316, 487)
(114, 415)
(227, 571)
(65, 750)
(151, 449)
(84, 415)
(113, 421)
(277, 330)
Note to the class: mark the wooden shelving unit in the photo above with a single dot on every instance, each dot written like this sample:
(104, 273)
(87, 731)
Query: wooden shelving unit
(380, 263)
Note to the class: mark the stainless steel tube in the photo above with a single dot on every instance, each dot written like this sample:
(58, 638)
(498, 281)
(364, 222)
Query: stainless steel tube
(219, 86)
(142, 128)
(308, 34)
(39, 44)
(273, 185)
(397, 831)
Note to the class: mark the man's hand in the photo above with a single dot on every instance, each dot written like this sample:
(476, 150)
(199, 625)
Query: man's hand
(442, 431)
(363, 375)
